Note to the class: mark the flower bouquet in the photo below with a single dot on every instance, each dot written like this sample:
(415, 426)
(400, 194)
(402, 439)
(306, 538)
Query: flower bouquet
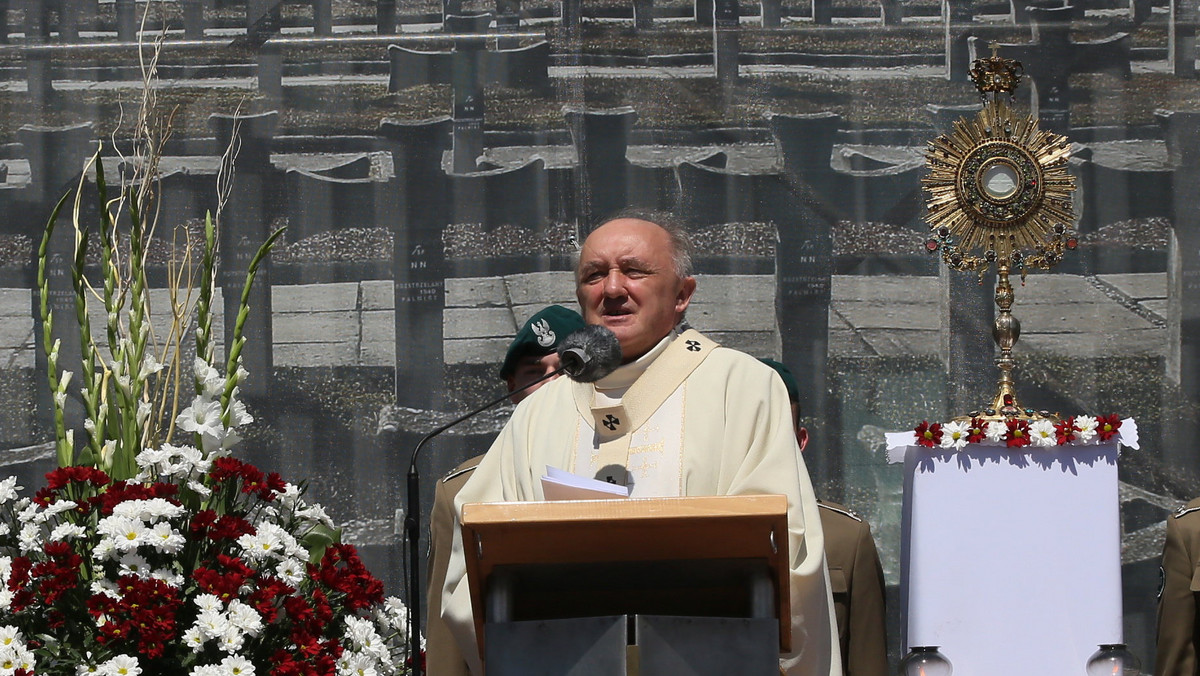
(143, 556)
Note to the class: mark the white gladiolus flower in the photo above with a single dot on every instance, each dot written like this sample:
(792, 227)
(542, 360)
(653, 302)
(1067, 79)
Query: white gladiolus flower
(1086, 428)
(996, 431)
(239, 415)
(1043, 433)
(202, 417)
(150, 366)
(954, 434)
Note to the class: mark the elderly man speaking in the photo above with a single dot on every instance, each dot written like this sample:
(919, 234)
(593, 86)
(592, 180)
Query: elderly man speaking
(681, 416)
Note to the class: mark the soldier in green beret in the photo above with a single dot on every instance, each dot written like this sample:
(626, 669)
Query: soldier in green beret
(532, 354)
(855, 573)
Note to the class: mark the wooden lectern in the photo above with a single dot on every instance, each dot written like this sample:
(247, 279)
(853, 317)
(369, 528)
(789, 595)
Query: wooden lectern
(701, 583)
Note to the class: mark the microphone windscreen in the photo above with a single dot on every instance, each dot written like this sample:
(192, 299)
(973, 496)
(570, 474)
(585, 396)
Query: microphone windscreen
(590, 353)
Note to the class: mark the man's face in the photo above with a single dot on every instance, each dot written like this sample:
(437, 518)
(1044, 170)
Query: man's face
(530, 368)
(627, 282)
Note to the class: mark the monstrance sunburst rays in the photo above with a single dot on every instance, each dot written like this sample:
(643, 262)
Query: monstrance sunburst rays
(999, 193)
(999, 185)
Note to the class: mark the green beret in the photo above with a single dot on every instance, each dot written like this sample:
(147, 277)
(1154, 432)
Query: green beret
(789, 381)
(541, 335)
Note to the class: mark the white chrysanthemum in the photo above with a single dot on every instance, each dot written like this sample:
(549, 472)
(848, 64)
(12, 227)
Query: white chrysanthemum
(232, 640)
(195, 639)
(212, 624)
(199, 489)
(165, 538)
(236, 665)
(291, 571)
(121, 665)
(147, 510)
(315, 514)
(54, 509)
(6, 598)
(354, 664)
(393, 614)
(4, 529)
(996, 431)
(244, 617)
(10, 636)
(107, 587)
(185, 461)
(86, 668)
(67, 531)
(133, 563)
(1085, 426)
(151, 457)
(30, 538)
(289, 497)
(126, 534)
(1043, 433)
(9, 489)
(260, 545)
(209, 603)
(206, 670)
(26, 510)
(105, 550)
(172, 578)
(954, 434)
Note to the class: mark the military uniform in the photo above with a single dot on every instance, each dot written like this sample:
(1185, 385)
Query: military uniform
(442, 657)
(856, 580)
(1178, 628)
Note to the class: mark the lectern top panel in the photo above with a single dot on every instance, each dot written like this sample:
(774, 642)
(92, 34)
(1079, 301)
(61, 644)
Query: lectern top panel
(620, 531)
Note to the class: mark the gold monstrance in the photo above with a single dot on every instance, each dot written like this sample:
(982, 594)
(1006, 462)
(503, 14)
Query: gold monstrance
(998, 192)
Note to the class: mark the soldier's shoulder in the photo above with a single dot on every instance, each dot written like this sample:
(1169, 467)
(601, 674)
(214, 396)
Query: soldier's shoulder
(463, 469)
(1189, 508)
(835, 508)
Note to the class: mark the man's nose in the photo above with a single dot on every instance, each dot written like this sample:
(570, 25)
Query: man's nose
(614, 284)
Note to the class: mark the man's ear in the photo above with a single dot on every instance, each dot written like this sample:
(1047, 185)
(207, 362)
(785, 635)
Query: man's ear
(802, 437)
(686, 289)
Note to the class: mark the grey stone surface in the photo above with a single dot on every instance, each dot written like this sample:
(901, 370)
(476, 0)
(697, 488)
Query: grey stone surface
(1091, 319)
(756, 315)
(1055, 289)
(476, 351)
(1157, 306)
(486, 322)
(1130, 343)
(901, 289)
(475, 292)
(893, 342)
(541, 287)
(378, 295)
(324, 353)
(315, 297)
(337, 327)
(1139, 286)
(887, 314)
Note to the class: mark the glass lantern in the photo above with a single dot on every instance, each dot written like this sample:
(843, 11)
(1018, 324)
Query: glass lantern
(1113, 659)
(926, 661)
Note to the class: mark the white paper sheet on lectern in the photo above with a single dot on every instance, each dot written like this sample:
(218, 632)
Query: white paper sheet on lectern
(1013, 559)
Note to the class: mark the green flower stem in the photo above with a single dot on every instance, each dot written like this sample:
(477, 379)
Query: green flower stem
(63, 444)
(235, 349)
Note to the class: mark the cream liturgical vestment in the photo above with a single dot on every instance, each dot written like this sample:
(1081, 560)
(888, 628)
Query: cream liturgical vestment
(692, 419)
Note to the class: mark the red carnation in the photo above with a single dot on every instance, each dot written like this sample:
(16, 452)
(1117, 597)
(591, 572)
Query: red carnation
(1018, 433)
(1108, 426)
(929, 435)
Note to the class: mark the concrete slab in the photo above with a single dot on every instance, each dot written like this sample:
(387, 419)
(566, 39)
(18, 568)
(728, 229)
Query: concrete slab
(757, 315)
(475, 350)
(378, 326)
(876, 314)
(1139, 286)
(1158, 307)
(377, 354)
(734, 288)
(893, 342)
(899, 289)
(847, 343)
(314, 297)
(522, 313)
(307, 354)
(475, 292)
(377, 294)
(16, 302)
(488, 322)
(1093, 319)
(1055, 289)
(756, 343)
(316, 327)
(1131, 343)
(541, 287)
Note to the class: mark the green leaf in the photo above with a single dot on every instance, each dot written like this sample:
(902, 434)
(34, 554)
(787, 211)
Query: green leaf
(318, 540)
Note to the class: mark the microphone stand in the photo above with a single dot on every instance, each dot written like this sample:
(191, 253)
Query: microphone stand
(412, 523)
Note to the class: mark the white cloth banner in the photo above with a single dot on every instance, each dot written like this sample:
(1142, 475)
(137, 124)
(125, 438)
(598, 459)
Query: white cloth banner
(1012, 557)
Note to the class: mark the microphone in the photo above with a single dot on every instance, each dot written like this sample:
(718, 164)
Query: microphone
(589, 354)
